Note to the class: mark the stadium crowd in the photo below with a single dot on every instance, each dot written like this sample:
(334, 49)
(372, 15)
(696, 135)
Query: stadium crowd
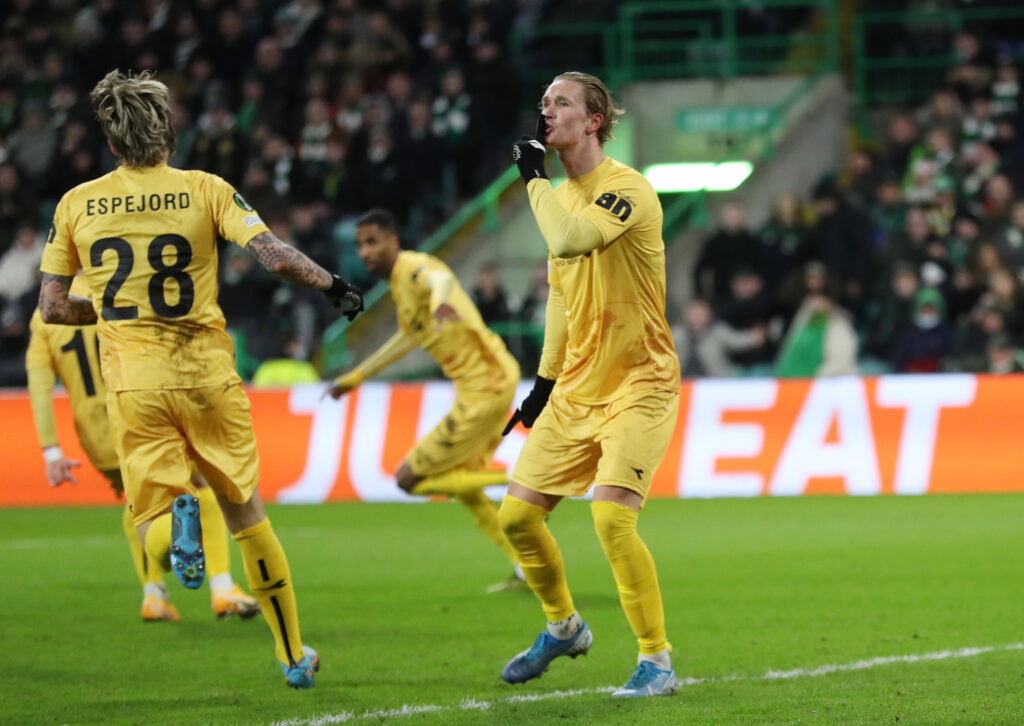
(911, 260)
(314, 109)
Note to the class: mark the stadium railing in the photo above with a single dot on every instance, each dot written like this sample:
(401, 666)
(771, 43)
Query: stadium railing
(890, 60)
(647, 43)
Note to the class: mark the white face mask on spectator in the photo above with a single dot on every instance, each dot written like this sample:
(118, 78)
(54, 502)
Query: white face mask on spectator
(927, 320)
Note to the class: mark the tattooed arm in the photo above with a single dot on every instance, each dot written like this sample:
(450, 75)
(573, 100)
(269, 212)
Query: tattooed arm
(57, 306)
(285, 261)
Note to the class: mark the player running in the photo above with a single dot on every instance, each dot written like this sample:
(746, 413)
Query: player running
(145, 234)
(72, 353)
(435, 313)
(606, 395)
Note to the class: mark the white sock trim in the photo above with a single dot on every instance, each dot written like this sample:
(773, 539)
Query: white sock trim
(662, 659)
(565, 629)
(156, 589)
(222, 581)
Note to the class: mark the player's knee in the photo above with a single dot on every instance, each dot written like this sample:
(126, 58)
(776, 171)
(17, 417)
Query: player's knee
(518, 519)
(612, 521)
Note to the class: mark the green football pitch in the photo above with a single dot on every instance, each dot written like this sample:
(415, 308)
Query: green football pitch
(782, 611)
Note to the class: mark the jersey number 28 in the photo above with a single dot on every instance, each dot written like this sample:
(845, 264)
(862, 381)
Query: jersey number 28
(161, 273)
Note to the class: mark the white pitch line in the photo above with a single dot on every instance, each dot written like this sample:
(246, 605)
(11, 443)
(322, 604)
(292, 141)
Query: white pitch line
(472, 704)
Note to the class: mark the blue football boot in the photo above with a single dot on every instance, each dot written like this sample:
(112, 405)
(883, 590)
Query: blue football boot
(531, 663)
(303, 673)
(649, 680)
(188, 561)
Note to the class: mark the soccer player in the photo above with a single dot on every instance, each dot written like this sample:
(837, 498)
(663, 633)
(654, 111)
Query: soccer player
(435, 313)
(604, 403)
(72, 353)
(146, 234)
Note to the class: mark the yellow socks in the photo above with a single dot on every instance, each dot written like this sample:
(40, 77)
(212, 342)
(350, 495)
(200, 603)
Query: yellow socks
(634, 571)
(134, 544)
(215, 535)
(460, 481)
(158, 543)
(486, 516)
(538, 554)
(270, 581)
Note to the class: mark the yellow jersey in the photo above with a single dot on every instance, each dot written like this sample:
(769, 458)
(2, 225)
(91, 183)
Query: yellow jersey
(618, 340)
(147, 240)
(469, 353)
(70, 352)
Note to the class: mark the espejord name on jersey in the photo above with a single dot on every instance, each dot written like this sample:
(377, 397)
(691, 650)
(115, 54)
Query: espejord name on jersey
(138, 203)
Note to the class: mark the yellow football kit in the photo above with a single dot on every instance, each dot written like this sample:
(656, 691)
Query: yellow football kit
(607, 342)
(475, 359)
(612, 410)
(146, 239)
(72, 354)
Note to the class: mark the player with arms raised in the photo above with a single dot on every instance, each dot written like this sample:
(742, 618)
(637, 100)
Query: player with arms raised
(145, 235)
(434, 312)
(607, 392)
(72, 353)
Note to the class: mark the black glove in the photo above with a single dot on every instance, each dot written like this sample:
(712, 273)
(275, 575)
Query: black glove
(345, 297)
(532, 405)
(528, 153)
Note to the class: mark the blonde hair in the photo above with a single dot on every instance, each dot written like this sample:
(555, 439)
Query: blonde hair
(598, 100)
(135, 113)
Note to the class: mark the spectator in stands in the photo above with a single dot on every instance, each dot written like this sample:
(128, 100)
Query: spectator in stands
(531, 314)
(820, 340)
(704, 344)
(489, 294)
(748, 308)
(977, 167)
(784, 241)
(943, 111)
(917, 244)
(730, 248)
(19, 264)
(922, 347)
(217, 147)
(888, 209)
(929, 162)
(890, 314)
(972, 338)
(975, 61)
(1010, 242)
(33, 145)
(17, 204)
(901, 138)
(995, 205)
(843, 240)
(1003, 356)
(453, 123)
(861, 179)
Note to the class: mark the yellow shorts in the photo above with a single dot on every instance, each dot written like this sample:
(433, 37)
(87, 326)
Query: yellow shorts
(574, 445)
(160, 434)
(466, 437)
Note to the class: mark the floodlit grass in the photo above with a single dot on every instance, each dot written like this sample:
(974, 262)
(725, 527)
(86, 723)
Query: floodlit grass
(393, 598)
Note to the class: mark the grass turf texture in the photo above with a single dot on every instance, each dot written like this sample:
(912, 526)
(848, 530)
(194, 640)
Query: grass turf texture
(393, 598)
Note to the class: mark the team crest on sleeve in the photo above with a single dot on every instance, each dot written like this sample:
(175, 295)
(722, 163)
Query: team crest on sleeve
(617, 203)
(240, 201)
(51, 234)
